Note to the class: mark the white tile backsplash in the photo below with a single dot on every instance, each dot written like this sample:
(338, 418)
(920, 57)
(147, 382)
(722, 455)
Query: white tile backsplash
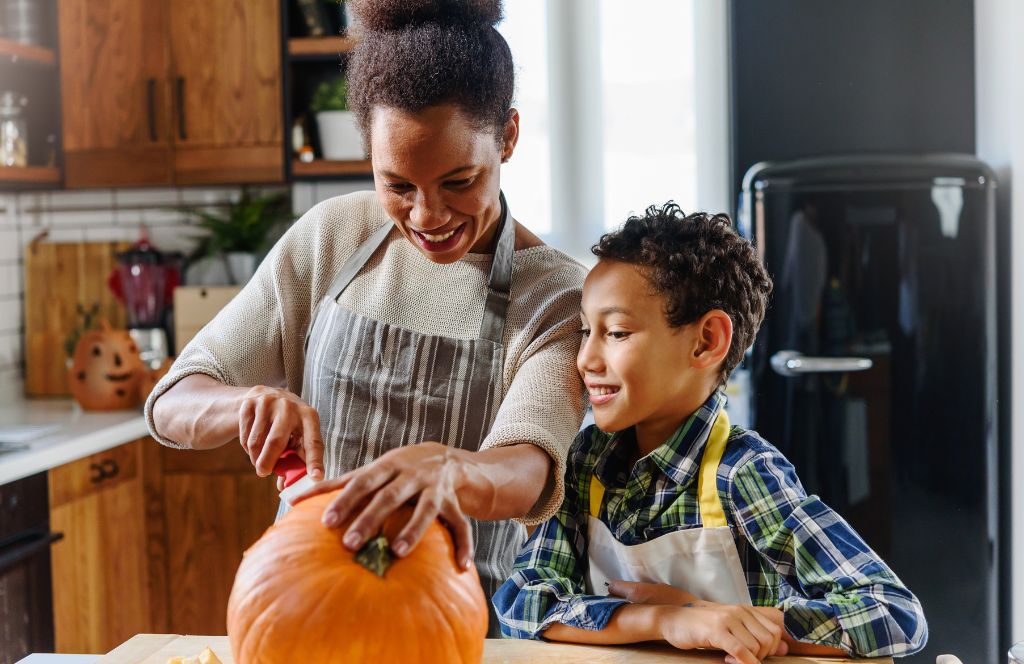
(97, 215)
(10, 244)
(93, 198)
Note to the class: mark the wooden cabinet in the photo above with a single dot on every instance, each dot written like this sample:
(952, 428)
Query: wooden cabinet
(152, 539)
(100, 569)
(171, 92)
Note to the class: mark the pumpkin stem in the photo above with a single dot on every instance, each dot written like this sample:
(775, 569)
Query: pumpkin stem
(375, 555)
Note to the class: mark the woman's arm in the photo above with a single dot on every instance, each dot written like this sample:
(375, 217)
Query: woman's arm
(447, 482)
(204, 413)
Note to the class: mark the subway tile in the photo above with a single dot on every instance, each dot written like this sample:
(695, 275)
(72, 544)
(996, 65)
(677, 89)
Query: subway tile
(63, 235)
(174, 238)
(10, 348)
(303, 197)
(325, 190)
(10, 245)
(81, 218)
(202, 196)
(96, 198)
(161, 197)
(157, 216)
(111, 234)
(10, 278)
(10, 314)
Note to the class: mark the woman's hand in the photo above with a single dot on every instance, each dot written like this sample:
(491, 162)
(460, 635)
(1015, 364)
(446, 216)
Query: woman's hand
(271, 420)
(429, 473)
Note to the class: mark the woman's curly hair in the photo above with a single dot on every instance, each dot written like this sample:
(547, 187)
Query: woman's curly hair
(413, 54)
(697, 262)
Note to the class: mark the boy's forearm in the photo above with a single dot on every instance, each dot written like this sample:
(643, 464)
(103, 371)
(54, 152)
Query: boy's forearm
(799, 647)
(630, 623)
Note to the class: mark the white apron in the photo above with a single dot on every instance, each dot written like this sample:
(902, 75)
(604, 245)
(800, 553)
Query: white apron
(702, 561)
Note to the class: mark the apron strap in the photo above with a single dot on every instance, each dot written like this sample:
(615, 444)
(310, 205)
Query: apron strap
(596, 496)
(492, 325)
(712, 514)
(358, 259)
(499, 282)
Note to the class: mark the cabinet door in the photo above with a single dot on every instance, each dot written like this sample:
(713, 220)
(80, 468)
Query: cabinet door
(101, 592)
(113, 62)
(226, 90)
(216, 507)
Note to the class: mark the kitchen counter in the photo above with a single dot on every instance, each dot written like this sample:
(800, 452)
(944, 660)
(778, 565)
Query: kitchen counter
(64, 433)
(158, 648)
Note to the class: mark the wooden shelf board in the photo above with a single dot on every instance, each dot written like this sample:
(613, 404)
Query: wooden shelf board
(320, 45)
(18, 51)
(30, 174)
(323, 167)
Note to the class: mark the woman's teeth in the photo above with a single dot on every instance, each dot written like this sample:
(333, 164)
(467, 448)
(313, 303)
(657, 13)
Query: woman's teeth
(603, 391)
(438, 238)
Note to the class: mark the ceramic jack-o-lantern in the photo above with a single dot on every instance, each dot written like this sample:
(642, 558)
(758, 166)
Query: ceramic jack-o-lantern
(106, 370)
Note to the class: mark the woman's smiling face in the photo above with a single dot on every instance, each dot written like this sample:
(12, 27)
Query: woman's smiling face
(437, 176)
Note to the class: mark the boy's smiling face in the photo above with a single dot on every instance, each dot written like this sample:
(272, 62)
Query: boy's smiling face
(639, 370)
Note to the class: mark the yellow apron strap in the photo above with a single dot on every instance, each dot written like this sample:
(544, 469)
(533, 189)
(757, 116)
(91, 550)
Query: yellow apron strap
(596, 496)
(711, 512)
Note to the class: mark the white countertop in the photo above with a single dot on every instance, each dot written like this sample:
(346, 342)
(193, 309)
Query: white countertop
(80, 433)
(37, 658)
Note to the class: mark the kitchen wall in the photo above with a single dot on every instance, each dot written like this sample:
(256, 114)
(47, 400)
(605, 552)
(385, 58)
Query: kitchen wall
(1000, 111)
(850, 76)
(106, 214)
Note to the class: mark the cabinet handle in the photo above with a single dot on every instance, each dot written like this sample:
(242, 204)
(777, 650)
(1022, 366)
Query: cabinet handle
(180, 85)
(151, 101)
(104, 470)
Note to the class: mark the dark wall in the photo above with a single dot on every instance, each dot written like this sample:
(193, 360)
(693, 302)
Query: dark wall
(817, 77)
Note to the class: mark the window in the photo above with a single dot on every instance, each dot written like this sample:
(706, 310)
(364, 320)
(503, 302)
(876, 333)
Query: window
(611, 97)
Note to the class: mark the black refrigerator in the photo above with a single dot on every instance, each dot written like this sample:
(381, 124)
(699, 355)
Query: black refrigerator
(877, 369)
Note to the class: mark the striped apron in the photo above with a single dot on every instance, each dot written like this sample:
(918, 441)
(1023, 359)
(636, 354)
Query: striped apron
(377, 387)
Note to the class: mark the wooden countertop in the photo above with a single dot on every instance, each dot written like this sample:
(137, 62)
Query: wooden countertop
(158, 648)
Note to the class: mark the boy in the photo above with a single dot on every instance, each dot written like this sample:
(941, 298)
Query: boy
(675, 526)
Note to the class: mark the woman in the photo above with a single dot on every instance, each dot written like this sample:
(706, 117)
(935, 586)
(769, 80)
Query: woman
(431, 337)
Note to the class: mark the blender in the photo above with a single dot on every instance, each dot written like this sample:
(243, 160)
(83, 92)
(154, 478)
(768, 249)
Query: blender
(143, 278)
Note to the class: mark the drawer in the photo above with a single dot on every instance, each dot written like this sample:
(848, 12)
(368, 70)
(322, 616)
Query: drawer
(98, 472)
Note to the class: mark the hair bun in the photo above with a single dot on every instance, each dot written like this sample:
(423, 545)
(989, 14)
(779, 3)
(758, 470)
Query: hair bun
(397, 14)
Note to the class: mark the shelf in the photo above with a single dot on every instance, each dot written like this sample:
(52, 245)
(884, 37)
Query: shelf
(15, 51)
(325, 168)
(42, 175)
(311, 46)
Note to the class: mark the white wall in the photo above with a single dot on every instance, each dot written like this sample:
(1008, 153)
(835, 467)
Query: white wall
(999, 28)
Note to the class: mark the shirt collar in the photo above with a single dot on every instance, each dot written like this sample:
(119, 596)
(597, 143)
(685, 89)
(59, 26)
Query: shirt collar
(678, 457)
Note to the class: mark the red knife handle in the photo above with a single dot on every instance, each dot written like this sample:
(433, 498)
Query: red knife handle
(291, 467)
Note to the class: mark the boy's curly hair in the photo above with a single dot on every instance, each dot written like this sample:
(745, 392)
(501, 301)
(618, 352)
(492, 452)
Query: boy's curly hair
(698, 262)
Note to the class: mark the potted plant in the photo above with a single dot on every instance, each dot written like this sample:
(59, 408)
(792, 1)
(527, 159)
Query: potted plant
(339, 133)
(244, 231)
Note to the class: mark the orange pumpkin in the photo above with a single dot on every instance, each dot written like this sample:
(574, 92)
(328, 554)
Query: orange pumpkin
(106, 370)
(301, 596)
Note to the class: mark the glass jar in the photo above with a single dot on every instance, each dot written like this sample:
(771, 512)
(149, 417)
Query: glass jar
(13, 131)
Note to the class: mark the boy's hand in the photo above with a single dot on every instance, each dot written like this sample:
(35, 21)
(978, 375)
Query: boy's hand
(640, 592)
(746, 636)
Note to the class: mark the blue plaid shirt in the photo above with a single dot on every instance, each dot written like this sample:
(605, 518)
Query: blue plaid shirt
(798, 554)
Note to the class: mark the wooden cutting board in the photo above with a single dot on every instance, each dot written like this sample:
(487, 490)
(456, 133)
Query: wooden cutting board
(60, 276)
(158, 648)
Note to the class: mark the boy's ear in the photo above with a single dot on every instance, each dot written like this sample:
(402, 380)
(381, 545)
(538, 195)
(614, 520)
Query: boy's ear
(714, 338)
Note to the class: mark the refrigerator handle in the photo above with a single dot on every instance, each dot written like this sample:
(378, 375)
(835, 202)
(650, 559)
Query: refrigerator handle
(792, 363)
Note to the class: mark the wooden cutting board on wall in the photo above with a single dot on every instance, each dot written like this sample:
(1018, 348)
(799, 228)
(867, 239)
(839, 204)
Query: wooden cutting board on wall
(60, 276)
